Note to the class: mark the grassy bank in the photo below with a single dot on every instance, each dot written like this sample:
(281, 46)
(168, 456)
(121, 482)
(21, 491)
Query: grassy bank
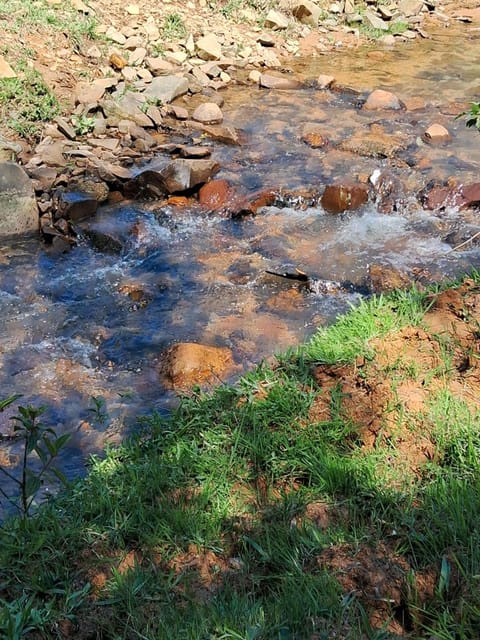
(261, 510)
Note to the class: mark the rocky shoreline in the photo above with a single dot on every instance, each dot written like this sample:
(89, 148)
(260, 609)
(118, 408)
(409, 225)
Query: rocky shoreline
(130, 111)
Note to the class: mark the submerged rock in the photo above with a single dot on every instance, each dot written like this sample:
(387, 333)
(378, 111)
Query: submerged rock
(344, 197)
(268, 81)
(380, 99)
(436, 134)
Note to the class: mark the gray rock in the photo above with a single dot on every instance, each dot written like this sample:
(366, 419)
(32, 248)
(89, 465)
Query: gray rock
(128, 107)
(276, 20)
(176, 177)
(182, 175)
(18, 206)
(208, 47)
(410, 7)
(374, 21)
(166, 88)
(65, 128)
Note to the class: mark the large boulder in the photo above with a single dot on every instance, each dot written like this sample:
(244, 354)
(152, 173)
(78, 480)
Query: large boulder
(18, 206)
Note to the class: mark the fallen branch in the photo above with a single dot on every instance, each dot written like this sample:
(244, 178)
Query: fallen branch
(459, 246)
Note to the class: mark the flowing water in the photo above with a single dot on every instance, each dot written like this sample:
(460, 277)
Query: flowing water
(93, 324)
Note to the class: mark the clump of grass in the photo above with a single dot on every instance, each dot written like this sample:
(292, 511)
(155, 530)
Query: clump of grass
(174, 27)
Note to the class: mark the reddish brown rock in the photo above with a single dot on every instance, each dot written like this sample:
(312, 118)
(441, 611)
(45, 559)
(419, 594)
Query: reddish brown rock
(380, 99)
(344, 197)
(442, 196)
(438, 198)
(215, 195)
(436, 134)
(253, 202)
(470, 195)
(188, 364)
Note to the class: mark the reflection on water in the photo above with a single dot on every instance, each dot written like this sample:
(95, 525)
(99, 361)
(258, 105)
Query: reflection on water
(94, 324)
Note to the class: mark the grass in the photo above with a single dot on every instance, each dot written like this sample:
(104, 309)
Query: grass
(26, 101)
(203, 526)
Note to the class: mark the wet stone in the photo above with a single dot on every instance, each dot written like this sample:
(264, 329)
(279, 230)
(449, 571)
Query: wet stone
(344, 197)
(250, 205)
(215, 195)
(437, 134)
(76, 205)
(314, 135)
(382, 278)
(380, 99)
(183, 175)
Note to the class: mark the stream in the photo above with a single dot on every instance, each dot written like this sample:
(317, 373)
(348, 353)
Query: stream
(83, 333)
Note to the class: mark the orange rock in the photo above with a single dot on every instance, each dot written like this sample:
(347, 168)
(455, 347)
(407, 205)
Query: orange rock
(117, 62)
(178, 201)
(187, 364)
(252, 203)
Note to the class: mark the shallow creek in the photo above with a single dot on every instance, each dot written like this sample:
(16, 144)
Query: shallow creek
(71, 329)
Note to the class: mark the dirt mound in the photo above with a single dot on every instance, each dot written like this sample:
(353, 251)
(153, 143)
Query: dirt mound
(387, 398)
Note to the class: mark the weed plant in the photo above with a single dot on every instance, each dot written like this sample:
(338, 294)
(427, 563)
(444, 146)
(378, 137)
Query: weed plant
(200, 527)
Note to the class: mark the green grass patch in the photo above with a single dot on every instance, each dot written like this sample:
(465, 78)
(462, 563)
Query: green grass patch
(228, 506)
(26, 102)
